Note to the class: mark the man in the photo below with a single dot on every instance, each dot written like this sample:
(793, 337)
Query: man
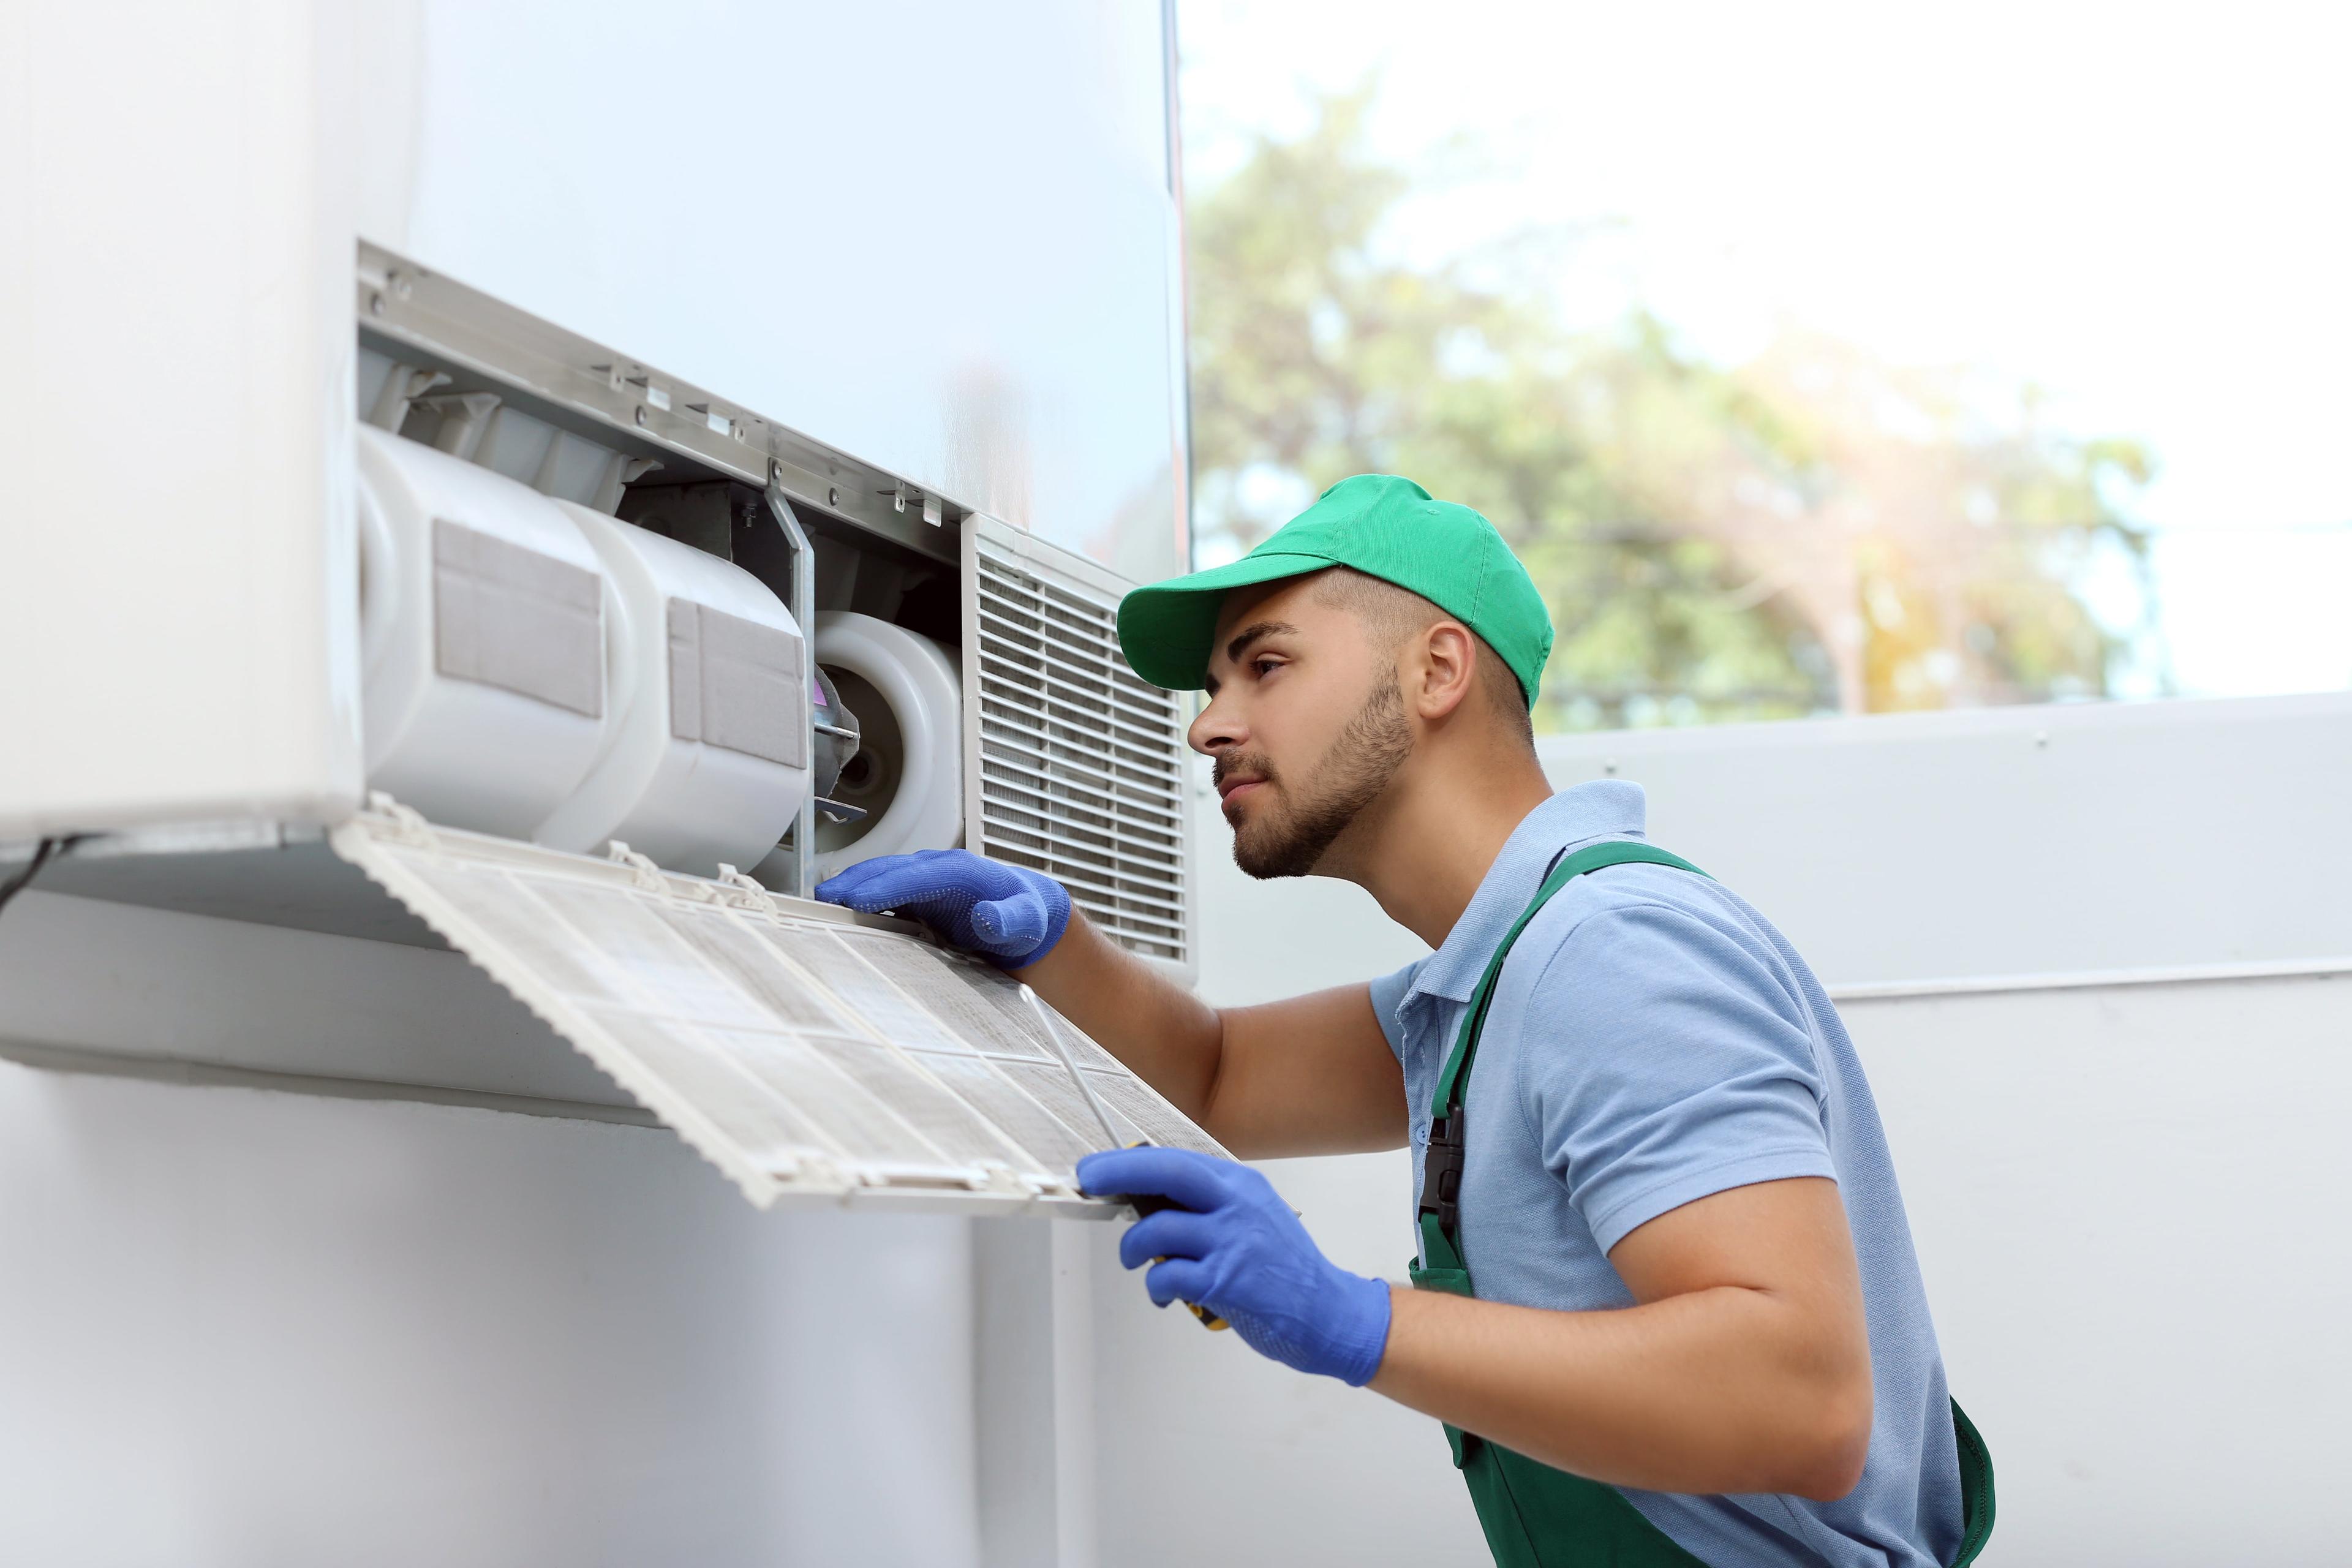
(1670, 1312)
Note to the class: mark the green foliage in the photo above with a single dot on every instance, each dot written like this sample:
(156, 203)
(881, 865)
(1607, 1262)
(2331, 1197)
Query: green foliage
(1806, 533)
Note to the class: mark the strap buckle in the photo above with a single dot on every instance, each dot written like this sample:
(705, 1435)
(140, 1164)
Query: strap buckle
(1441, 1172)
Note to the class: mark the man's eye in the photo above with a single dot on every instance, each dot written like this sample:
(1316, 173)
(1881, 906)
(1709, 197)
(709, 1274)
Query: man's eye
(1262, 664)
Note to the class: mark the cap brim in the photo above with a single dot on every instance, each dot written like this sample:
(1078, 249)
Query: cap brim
(1165, 629)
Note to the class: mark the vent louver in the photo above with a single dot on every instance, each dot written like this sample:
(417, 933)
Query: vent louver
(1076, 763)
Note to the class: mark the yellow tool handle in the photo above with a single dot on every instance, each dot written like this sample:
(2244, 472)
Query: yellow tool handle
(1151, 1203)
(1208, 1320)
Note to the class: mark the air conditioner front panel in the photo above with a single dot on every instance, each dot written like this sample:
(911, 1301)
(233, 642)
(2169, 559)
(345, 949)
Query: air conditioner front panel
(807, 1053)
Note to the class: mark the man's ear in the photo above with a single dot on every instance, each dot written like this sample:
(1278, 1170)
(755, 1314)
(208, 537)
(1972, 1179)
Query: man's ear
(1442, 671)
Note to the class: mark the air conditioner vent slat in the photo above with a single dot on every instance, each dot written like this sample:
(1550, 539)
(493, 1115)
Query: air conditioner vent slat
(1133, 742)
(1083, 646)
(1051, 744)
(1081, 683)
(1095, 816)
(1134, 862)
(1075, 766)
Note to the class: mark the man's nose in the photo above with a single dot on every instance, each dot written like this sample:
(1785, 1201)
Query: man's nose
(1218, 728)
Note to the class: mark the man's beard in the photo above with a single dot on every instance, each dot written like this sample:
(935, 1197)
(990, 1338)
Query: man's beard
(1289, 840)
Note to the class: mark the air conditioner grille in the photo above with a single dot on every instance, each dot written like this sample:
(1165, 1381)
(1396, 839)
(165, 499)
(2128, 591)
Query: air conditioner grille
(1079, 760)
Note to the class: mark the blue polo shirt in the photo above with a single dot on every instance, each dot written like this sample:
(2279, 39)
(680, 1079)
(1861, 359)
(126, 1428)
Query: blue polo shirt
(1653, 1040)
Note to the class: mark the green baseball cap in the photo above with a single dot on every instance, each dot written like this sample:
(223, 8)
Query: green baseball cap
(1380, 525)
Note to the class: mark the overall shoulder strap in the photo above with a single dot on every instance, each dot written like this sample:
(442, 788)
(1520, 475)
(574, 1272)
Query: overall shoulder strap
(1592, 858)
(1441, 1179)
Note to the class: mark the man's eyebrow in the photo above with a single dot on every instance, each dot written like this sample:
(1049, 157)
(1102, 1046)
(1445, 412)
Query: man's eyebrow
(1252, 633)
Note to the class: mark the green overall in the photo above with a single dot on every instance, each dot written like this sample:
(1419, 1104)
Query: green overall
(1536, 1516)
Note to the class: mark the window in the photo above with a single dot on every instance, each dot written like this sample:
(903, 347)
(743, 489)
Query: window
(1813, 362)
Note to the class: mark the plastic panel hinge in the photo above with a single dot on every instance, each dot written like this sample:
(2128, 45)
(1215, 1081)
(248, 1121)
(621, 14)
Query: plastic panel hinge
(739, 891)
(408, 825)
(647, 875)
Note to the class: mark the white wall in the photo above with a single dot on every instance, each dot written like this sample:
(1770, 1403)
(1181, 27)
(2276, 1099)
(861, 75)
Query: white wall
(243, 1328)
(2118, 1144)
(2016, 841)
(2129, 1206)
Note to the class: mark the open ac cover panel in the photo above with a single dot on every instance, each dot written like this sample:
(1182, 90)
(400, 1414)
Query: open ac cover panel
(806, 1052)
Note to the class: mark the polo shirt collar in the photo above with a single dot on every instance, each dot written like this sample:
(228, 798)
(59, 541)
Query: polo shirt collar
(1604, 808)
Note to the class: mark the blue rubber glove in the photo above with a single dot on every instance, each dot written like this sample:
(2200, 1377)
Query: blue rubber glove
(1010, 915)
(1235, 1247)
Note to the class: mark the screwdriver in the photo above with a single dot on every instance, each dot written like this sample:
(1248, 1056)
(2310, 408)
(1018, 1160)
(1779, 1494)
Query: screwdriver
(1141, 1203)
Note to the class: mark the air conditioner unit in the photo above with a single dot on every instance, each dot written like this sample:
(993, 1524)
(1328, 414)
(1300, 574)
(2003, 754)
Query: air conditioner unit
(634, 666)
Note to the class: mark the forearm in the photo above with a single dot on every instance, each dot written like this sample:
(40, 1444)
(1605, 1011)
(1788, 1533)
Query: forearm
(1308, 1075)
(1165, 1035)
(1730, 1389)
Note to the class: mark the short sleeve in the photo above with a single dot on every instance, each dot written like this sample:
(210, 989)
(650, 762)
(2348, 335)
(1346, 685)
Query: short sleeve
(1664, 1061)
(1388, 995)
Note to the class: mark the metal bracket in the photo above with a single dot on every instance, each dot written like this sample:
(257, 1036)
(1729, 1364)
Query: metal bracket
(804, 617)
(841, 811)
(401, 389)
(455, 336)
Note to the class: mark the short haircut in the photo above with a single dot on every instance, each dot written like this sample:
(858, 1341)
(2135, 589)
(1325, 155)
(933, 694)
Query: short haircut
(1391, 614)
